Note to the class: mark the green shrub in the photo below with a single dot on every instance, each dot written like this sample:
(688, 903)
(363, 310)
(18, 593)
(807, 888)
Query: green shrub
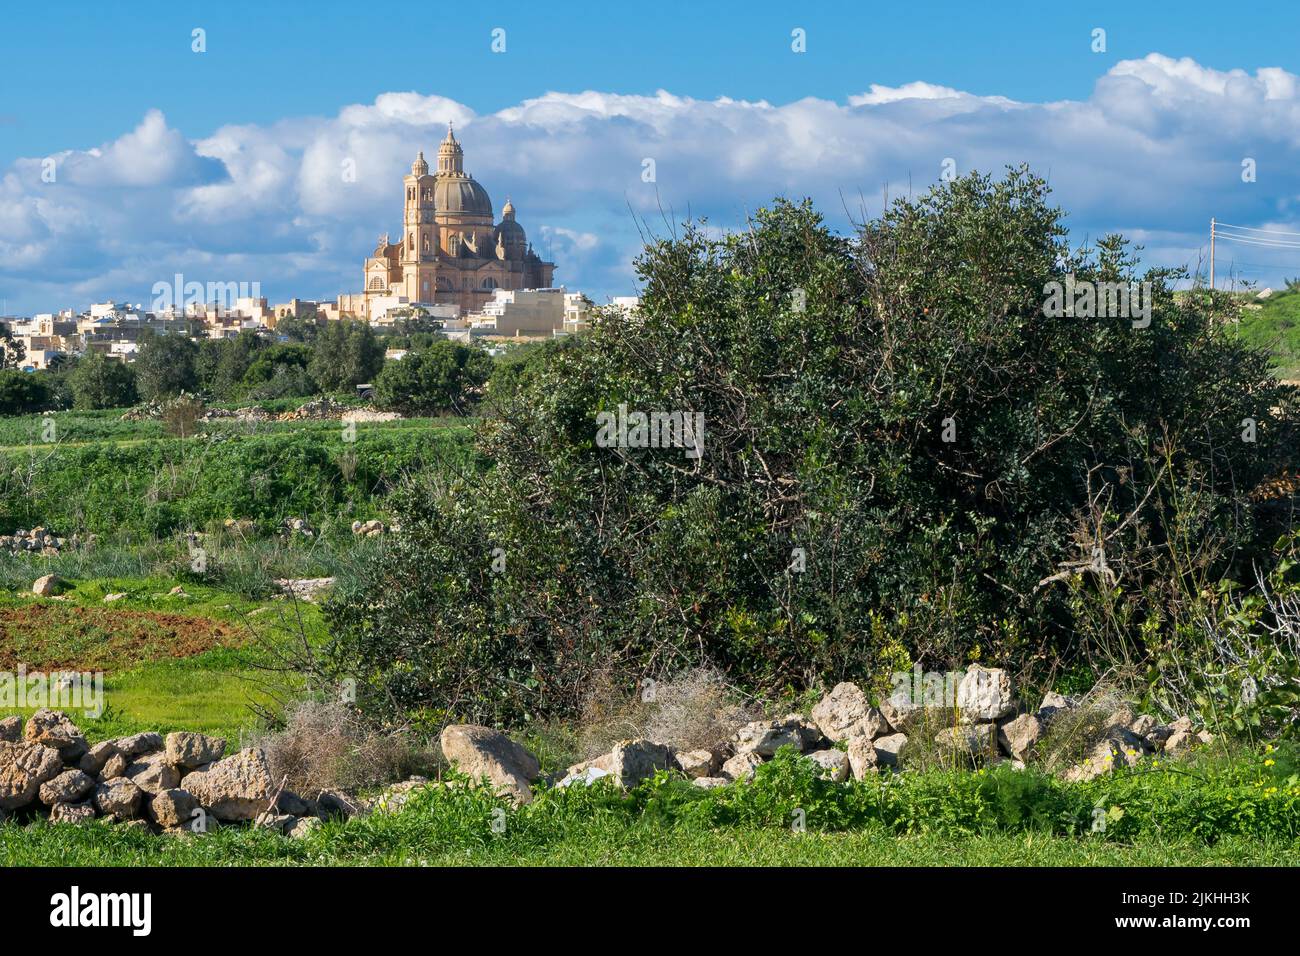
(830, 524)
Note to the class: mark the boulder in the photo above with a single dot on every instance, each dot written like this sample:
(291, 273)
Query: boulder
(834, 764)
(337, 805)
(697, 763)
(1121, 747)
(192, 751)
(1144, 725)
(742, 766)
(172, 808)
(153, 774)
(94, 759)
(900, 712)
(114, 767)
(48, 585)
(481, 752)
(585, 773)
(137, 745)
(73, 812)
(1053, 703)
(888, 750)
(1182, 725)
(632, 761)
(118, 798)
(294, 805)
(846, 713)
(54, 729)
(236, 788)
(708, 783)
(766, 737)
(23, 768)
(985, 694)
(1017, 736)
(11, 729)
(279, 822)
(863, 757)
(68, 787)
(977, 741)
(303, 827)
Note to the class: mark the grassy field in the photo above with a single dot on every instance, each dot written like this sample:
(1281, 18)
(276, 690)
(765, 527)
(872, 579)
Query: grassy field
(1275, 326)
(917, 819)
(100, 474)
(169, 662)
(603, 843)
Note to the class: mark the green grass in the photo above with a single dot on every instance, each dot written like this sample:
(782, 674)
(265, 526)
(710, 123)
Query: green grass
(916, 819)
(608, 843)
(1275, 327)
(146, 686)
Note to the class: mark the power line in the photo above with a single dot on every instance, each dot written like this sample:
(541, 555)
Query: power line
(1271, 232)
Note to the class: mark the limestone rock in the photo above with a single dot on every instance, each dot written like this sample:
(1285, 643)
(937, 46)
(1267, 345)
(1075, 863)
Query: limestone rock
(23, 768)
(94, 759)
(337, 805)
(846, 713)
(236, 788)
(900, 712)
(863, 757)
(1144, 725)
(11, 729)
(985, 694)
(302, 828)
(834, 763)
(888, 750)
(172, 808)
(968, 740)
(53, 728)
(118, 798)
(482, 752)
(1017, 736)
(193, 750)
(47, 585)
(632, 761)
(114, 767)
(72, 812)
(765, 738)
(742, 766)
(708, 783)
(137, 745)
(697, 763)
(153, 774)
(1053, 704)
(68, 787)
(1121, 747)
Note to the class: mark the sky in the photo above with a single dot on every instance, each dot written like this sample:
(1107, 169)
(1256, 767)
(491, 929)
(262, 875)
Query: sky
(128, 156)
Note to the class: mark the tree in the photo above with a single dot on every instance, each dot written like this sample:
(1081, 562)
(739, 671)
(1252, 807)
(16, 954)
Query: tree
(101, 382)
(346, 353)
(280, 371)
(165, 366)
(22, 393)
(12, 351)
(897, 456)
(445, 377)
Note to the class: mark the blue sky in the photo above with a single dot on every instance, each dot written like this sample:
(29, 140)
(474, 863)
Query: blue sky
(222, 164)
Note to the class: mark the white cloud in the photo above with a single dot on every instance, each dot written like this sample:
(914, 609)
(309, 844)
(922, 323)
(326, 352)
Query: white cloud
(1154, 151)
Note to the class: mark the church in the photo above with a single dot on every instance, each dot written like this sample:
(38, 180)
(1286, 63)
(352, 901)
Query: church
(451, 252)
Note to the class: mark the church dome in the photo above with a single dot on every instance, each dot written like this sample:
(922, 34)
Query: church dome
(461, 194)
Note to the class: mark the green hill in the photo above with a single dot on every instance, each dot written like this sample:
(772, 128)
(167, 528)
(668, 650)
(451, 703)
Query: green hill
(1275, 325)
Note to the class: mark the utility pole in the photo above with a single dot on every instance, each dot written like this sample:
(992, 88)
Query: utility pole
(1211, 252)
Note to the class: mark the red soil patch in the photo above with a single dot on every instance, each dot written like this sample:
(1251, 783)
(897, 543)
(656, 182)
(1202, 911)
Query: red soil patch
(67, 636)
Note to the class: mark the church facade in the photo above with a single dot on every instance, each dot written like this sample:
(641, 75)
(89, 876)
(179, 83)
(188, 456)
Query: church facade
(451, 251)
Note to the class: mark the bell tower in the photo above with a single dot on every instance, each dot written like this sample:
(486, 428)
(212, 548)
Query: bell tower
(420, 234)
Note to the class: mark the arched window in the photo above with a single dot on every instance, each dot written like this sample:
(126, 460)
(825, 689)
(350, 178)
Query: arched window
(489, 283)
(377, 282)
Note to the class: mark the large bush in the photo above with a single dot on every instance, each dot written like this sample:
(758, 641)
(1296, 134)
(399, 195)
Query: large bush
(905, 459)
